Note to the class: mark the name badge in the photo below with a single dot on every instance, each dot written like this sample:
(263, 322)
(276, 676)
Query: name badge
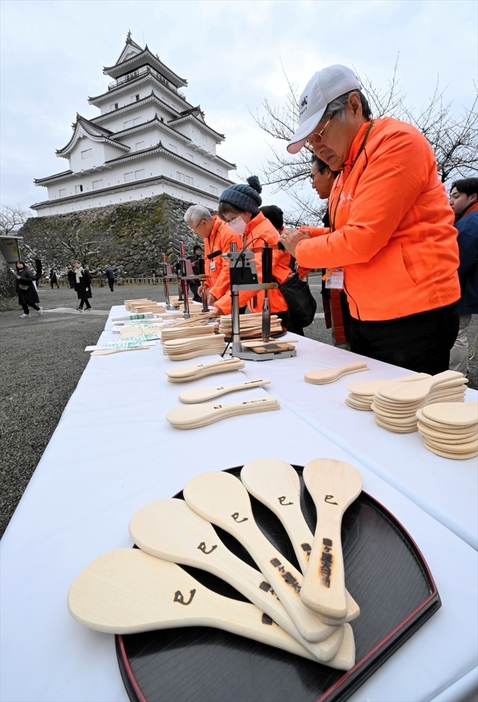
(335, 279)
(212, 267)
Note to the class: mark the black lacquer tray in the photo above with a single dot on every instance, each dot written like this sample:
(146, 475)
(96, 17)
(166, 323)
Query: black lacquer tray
(385, 573)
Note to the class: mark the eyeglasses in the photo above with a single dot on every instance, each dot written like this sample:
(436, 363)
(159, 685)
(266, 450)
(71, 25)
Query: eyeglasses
(316, 137)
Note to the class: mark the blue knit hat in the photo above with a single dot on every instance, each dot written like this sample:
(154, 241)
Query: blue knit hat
(245, 197)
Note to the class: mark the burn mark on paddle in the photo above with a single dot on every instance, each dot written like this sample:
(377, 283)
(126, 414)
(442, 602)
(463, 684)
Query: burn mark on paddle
(235, 516)
(307, 548)
(267, 620)
(202, 547)
(267, 587)
(179, 597)
(288, 578)
(282, 501)
(326, 560)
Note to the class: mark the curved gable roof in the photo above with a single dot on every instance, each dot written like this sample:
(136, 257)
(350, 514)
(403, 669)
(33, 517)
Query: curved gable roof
(83, 127)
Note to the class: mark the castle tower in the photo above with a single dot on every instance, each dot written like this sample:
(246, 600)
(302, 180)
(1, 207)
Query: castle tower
(147, 140)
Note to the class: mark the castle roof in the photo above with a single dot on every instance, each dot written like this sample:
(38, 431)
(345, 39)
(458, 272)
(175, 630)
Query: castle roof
(84, 127)
(133, 57)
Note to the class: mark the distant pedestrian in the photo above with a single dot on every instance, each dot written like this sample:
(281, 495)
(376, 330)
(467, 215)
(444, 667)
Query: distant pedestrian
(110, 277)
(53, 279)
(26, 290)
(82, 285)
(71, 277)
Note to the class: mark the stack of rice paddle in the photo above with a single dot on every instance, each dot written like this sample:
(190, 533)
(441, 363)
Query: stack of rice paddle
(395, 405)
(144, 305)
(183, 332)
(144, 589)
(205, 345)
(361, 392)
(450, 429)
(200, 415)
(186, 373)
(250, 325)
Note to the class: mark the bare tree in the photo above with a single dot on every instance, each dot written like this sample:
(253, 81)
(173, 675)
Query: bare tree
(11, 219)
(453, 137)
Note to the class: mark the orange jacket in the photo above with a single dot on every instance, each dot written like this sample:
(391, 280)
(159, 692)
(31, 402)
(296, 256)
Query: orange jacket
(392, 227)
(258, 230)
(217, 268)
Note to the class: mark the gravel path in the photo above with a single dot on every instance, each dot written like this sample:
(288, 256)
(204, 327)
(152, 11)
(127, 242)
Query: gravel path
(42, 361)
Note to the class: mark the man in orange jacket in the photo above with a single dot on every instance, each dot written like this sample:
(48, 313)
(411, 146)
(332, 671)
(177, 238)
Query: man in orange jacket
(391, 243)
(218, 236)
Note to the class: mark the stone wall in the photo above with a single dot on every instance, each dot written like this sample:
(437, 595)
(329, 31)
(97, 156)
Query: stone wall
(131, 237)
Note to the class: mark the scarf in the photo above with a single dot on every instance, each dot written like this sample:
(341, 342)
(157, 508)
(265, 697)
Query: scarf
(78, 274)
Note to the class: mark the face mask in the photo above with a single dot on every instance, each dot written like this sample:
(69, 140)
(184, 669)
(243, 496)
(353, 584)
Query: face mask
(238, 225)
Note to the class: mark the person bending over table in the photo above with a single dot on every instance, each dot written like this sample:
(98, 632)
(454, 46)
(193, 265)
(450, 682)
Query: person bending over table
(239, 206)
(391, 244)
(218, 237)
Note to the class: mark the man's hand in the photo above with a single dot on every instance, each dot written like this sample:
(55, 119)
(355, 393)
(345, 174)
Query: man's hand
(291, 237)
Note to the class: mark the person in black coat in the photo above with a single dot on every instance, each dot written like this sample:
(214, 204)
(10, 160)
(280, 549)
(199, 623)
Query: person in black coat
(26, 290)
(82, 285)
(71, 277)
(110, 277)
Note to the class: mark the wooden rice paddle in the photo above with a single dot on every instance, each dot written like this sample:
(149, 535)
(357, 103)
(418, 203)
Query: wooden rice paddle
(185, 373)
(210, 393)
(127, 591)
(107, 352)
(329, 375)
(194, 542)
(419, 390)
(222, 499)
(194, 416)
(276, 484)
(333, 485)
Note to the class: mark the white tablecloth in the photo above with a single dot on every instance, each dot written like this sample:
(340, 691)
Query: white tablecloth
(113, 452)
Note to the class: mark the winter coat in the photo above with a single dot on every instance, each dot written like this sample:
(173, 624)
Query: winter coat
(392, 227)
(258, 231)
(83, 287)
(467, 227)
(217, 268)
(26, 290)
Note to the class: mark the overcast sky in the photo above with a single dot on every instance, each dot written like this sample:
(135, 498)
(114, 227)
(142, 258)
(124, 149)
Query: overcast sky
(233, 54)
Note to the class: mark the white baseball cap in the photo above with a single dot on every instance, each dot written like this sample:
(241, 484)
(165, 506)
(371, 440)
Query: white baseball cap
(326, 85)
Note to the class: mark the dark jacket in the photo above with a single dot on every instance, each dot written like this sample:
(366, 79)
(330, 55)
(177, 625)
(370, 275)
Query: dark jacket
(83, 287)
(26, 291)
(467, 227)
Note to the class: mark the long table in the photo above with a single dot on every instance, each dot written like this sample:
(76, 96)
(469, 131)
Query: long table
(113, 452)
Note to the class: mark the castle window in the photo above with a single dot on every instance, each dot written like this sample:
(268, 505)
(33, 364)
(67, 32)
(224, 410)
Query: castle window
(97, 184)
(114, 107)
(128, 176)
(87, 153)
(212, 190)
(139, 145)
(139, 174)
(78, 188)
(62, 192)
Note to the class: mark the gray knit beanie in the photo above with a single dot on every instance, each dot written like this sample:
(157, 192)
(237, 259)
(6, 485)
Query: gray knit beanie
(245, 197)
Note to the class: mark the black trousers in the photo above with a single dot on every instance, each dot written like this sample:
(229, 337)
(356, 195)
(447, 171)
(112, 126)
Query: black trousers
(25, 307)
(420, 342)
(84, 301)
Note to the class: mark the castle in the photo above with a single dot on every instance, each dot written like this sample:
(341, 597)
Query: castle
(147, 141)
